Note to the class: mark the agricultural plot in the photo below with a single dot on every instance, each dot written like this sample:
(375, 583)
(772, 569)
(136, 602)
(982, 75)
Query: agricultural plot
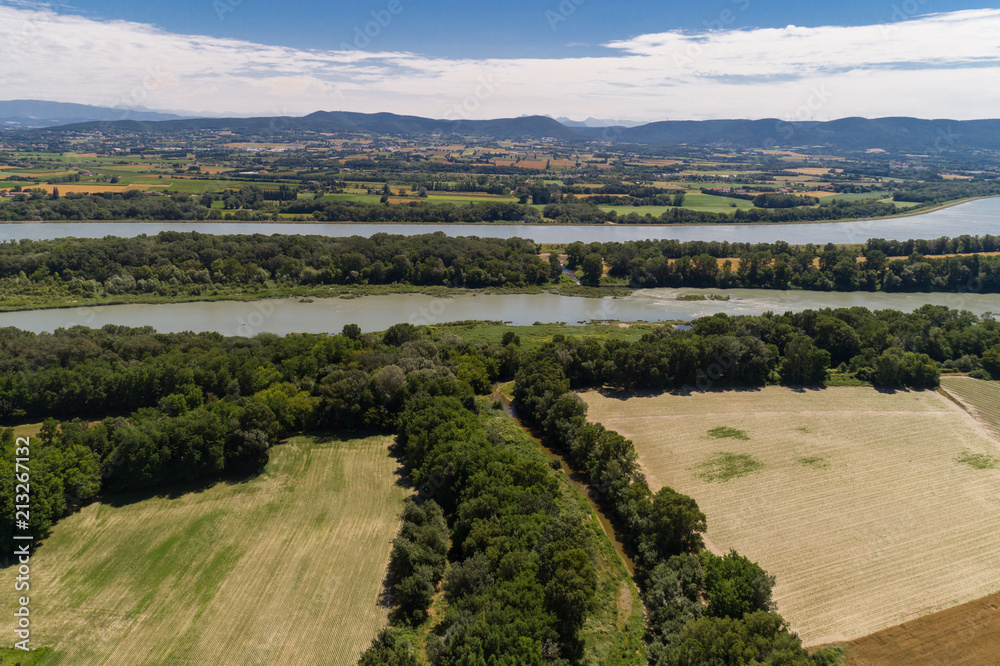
(866, 506)
(285, 568)
(966, 635)
(979, 398)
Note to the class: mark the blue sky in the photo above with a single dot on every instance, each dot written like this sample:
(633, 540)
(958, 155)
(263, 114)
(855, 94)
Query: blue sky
(513, 28)
(625, 60)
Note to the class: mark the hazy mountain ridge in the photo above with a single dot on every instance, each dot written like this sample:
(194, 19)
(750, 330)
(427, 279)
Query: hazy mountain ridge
(894, 134)
(33, 114)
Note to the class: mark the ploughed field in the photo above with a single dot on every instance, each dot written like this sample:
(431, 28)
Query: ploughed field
(966, 635)
(870, 508)
(284, 568)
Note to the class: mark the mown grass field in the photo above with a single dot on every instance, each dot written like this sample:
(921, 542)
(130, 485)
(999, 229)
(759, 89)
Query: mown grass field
(861, 503)
(285, 568)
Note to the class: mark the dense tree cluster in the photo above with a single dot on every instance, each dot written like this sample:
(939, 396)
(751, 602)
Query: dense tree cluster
(179, 264)
(940, 191)
(885, 348)
(174, 265)
(893, 266)
(419, 556)
(522, 560)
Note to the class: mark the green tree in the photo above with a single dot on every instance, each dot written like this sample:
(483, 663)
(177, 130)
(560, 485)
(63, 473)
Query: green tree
(571, 587)
(756, 639)
(803, 362)
(575, 253)
(735, 585)
(389, 648)
(593, 269)
(675, 524)
(991, 361)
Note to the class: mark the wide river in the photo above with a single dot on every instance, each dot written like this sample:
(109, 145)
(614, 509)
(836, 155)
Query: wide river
(975, 218)
(373, 313)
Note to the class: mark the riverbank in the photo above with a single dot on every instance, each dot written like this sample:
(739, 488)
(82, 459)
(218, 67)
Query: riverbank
(526, 225)
(32, 302)
(973, 218)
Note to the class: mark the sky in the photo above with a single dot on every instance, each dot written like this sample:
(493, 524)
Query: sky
(624, 60)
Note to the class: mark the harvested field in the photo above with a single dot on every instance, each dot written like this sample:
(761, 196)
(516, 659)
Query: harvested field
(856, 500)
(284, 568)
(966, 635)
(980, 398)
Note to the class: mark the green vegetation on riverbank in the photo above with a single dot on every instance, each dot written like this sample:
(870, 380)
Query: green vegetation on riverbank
(182, 267)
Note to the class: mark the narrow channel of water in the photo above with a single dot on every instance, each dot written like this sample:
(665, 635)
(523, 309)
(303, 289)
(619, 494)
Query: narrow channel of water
(377, 313)
(974, 218)
(577, 478)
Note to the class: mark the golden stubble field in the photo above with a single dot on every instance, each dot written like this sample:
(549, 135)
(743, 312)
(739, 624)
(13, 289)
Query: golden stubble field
(286, 568)
(861, 506)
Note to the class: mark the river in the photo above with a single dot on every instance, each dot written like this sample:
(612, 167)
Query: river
(374, 313)
(975, 218)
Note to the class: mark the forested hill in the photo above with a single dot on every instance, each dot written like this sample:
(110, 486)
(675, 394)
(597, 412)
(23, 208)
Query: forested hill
(893, 134)
(537, 127)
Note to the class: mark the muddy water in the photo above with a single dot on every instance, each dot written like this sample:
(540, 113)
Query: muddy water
(577, 478)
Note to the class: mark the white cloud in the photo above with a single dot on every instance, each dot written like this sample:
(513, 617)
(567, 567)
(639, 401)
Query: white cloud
(943, 65)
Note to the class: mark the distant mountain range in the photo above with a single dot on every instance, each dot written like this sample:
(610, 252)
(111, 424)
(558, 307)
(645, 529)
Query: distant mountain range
(598, 122)
(892, 134)
(33, 113)
(346, 121)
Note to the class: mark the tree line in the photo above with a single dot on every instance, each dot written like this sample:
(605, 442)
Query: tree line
(878, 265)
(193, 264)
(140, 205)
